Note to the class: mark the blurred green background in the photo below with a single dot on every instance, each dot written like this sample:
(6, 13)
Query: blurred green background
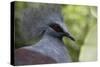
(81, 22)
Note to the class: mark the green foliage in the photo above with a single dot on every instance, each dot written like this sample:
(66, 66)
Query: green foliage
(89, 48)
(80, 21)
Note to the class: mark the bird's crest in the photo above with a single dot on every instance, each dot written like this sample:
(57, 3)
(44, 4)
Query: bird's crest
(34, 20)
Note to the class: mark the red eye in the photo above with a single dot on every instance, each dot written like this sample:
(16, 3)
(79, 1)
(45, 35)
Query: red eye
(56, 27)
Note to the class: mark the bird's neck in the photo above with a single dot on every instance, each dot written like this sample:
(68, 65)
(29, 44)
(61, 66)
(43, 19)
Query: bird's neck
(52, 47)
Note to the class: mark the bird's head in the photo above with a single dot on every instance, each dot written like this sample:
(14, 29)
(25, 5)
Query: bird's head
(58, 29)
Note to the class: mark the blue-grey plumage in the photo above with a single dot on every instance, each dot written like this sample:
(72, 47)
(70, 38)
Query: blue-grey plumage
(48, 24)
(52, 47)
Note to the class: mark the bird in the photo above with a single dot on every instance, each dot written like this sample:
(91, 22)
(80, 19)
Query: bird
(47, 22)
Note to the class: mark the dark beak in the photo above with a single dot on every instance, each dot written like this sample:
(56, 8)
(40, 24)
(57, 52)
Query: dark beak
(69, 36)
(66, 33)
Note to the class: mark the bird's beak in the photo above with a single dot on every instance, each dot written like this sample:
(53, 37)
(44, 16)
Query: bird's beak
(69, 36)
(66, 33)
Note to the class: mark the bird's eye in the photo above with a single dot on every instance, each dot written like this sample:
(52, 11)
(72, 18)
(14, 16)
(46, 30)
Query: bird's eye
(56, 27)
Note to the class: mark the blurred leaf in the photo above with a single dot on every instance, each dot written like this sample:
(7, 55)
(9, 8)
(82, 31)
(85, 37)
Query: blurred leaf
(89, 49)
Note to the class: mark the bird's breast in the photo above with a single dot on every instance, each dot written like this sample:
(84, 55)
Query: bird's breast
(53, 49)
